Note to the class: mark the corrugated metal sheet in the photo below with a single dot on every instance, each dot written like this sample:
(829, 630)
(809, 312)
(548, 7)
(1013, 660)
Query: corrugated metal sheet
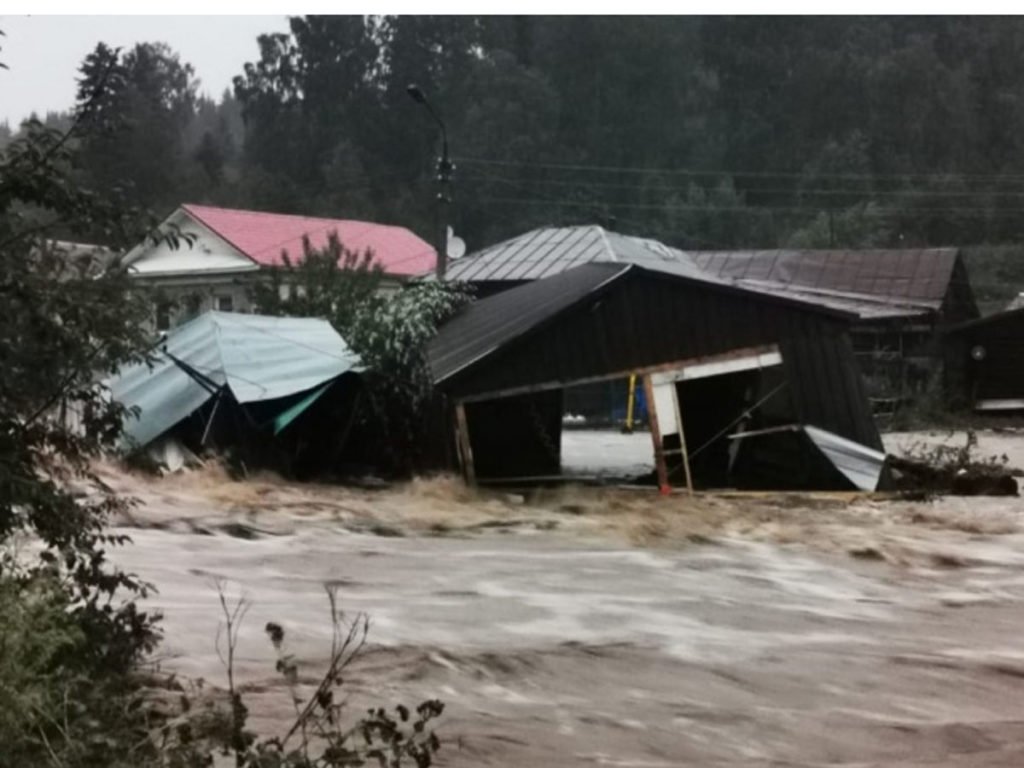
(257, 358)
(862, 466)
(549, 251)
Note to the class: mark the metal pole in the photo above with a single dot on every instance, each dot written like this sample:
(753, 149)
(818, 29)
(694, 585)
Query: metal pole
(444, 201)
(445, 167)
(630, 403)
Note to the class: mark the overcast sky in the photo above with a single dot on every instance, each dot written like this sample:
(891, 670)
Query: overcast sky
(44, 52)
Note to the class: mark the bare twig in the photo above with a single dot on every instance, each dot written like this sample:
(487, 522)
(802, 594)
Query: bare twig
(343, 653)
(233, 617)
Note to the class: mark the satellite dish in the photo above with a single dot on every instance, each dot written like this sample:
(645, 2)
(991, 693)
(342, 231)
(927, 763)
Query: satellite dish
(456, 245)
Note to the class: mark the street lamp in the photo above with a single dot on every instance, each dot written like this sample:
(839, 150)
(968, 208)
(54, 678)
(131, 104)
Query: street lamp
(444, 182)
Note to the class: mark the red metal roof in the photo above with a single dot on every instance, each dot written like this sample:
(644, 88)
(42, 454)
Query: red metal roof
(263, 236)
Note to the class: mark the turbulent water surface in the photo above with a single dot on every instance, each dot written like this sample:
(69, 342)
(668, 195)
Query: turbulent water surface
(695, 633)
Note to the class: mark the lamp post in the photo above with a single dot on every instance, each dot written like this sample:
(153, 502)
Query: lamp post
(444, 182)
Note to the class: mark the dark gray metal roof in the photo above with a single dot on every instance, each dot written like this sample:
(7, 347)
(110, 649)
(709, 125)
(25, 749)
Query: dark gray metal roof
(872, 284)
(864, 306)
(488, 324)
(918, 276)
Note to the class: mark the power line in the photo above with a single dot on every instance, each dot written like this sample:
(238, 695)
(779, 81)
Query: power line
(726, 172)
(760, 209)
(522, 181)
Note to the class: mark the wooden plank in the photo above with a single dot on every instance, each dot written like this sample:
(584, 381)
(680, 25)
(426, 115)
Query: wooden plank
(720, 368)
(465, 449)
(682, 438)
(659, 449)
(660, 368)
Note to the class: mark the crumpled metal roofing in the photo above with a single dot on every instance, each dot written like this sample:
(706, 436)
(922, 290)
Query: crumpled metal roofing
(256, 357)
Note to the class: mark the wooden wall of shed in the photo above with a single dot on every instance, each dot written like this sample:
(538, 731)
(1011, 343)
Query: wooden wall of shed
(1000, 375)
(826, 387)
(646, 320)
(517, 436)
(438, 452)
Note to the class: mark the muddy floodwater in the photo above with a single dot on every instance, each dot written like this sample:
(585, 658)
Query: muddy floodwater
(610, 628)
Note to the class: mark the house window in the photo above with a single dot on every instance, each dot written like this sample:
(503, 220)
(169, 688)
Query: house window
(225, 304)
(163, 316)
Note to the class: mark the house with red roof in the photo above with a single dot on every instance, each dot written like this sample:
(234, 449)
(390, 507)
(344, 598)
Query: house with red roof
(230, 247)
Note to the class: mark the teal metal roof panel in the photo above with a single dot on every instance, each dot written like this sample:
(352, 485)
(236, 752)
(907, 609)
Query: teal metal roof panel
(256, 357)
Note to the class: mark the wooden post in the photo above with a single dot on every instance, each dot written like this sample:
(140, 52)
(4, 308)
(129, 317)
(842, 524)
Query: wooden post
(659, 448)
(465, 449)
(682, 437)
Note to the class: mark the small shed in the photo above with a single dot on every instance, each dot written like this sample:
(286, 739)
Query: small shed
(985, 363)
(726, 370)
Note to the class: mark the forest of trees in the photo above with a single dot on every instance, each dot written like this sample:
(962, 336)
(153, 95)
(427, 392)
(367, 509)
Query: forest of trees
(703, 132)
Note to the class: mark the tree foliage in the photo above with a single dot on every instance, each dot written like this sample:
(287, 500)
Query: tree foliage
(137, 120)
(704, 132)
(70, 317)
(388, 327)
(73, 635)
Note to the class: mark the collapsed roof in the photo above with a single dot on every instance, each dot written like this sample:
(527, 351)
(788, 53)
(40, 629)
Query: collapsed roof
(252, 357)
(504, 360)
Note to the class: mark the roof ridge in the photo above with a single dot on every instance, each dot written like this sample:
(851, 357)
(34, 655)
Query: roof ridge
(190, 208)
(607, 242)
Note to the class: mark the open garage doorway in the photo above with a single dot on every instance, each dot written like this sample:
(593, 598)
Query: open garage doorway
(718, 403)
(604, 431)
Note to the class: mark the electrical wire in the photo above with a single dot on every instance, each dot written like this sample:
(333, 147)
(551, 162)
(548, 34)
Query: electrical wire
(751, 209)
(734, 172)
(584, 183)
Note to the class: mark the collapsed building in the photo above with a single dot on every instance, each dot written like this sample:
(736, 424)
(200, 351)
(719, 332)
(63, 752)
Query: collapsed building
(269, 391)
(900, 300)
(747, 388)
